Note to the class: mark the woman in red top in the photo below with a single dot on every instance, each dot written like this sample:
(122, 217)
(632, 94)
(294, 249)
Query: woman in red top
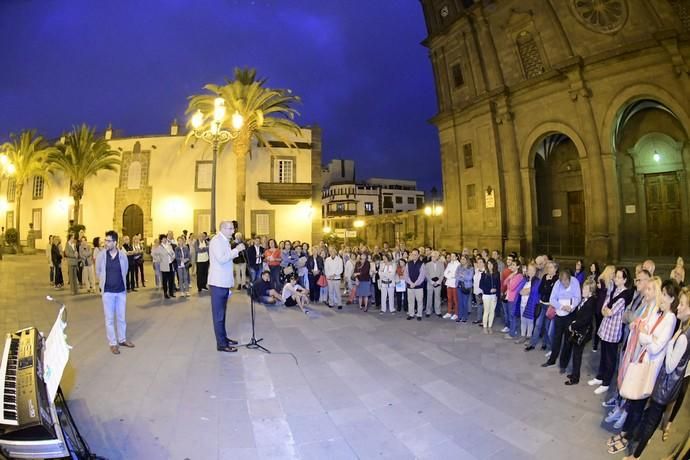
(272, 257)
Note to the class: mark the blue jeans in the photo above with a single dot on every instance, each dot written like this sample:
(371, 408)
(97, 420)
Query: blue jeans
(114, 306)
(219, 304)
(254, 274)
(507, 313)
(463, 302)
(514, 320)
(541, 328)
(275, 278)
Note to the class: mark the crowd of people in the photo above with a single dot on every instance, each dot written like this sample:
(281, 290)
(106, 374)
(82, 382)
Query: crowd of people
(637, 323)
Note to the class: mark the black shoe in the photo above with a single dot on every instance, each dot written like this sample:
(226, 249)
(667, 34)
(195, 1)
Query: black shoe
(440, 315)
(134, 290)
(530, 348)
(419, 318)
(330, 306)
(340, 307)
(228, 349)
(166, 296)
(572, 381)
(409, 317)
(548, 364)
(232, 342)
(543, 347)
(476, 322)
(428, 314)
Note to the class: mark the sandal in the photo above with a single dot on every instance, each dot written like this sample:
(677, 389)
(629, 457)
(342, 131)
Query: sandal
(613, 439)
(618, 446)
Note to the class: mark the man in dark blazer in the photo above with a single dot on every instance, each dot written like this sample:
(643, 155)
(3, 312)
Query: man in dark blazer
(255, 256)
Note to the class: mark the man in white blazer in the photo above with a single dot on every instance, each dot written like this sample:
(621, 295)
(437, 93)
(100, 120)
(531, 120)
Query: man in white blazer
(112, 267)
(220, 281)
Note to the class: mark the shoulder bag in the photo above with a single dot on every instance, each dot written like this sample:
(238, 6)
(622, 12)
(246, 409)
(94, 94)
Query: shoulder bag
(638, 382)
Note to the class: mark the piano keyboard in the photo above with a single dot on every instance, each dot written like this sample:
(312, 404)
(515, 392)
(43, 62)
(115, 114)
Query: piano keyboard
(8, 371)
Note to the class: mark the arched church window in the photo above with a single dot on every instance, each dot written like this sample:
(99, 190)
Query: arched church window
(532, 64)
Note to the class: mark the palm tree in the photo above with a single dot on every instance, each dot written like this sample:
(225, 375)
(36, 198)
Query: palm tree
(80, 156)
(267, 114)
(28, 153)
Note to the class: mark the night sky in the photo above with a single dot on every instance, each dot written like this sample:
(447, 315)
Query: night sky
(357, 64)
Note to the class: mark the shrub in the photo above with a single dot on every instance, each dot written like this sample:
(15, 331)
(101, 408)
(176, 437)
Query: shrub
(11, 236)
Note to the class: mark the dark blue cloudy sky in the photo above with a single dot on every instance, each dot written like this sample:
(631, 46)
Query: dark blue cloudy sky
(357, 64)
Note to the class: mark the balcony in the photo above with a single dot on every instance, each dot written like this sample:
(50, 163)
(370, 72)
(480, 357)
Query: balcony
(285, 193)
(342, 213)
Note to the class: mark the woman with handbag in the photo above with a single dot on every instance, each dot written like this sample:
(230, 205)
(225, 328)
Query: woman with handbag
(671, 379)
(642, 372)
(611, 330)
(580, 331)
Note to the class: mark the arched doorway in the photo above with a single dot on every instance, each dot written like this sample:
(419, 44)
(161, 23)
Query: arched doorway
(649, 141)
(132, 220)
(559, 196)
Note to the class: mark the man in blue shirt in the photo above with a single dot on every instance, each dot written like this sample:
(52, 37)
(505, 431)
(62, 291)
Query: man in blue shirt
(112, 268)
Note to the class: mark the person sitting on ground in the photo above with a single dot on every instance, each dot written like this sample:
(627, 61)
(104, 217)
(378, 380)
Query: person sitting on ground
(263, 291)
(294, 294)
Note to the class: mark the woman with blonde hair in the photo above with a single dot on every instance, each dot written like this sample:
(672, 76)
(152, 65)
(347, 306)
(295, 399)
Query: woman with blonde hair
(678, 272)
(604, 289)
(651, 348)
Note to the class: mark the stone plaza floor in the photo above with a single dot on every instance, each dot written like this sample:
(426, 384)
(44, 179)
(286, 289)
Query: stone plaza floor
(338, 385)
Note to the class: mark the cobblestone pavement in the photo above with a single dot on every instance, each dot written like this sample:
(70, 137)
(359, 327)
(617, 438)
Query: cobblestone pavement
(339, 385)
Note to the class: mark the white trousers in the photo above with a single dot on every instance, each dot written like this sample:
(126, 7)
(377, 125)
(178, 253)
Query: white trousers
(387, 297)
(88, 276)
(114, 305)
(334, 299)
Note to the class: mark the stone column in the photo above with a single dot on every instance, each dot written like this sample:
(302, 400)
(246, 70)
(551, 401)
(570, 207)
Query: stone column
(597, 237)
(492, 66)
(511, 188)
(613, 199)
(642, 245)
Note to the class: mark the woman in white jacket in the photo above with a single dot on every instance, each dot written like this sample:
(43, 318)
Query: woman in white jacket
(452, 287)
(653, 339)
(387, 283)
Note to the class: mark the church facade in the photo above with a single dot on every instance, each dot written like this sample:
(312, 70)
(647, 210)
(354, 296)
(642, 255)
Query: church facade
(564, 125)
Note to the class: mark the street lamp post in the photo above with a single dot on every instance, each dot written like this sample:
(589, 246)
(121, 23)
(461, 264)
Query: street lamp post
(216, 135)
(433, 211)
(7, 169)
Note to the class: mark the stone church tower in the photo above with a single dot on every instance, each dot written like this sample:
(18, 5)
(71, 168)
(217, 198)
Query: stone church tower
(564, 124)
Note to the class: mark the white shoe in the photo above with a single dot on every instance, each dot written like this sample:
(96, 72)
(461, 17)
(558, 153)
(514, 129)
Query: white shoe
(547, 355)
(505, 329)
(446, 316)
(454, 317)
(594, 382)
(601, 389)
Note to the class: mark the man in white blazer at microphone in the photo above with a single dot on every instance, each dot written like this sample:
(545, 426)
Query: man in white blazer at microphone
(220, 281)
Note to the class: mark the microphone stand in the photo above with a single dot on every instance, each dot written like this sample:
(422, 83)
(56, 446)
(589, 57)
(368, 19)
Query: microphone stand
(253, 343)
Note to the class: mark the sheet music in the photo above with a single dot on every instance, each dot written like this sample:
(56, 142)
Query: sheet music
(56, 355)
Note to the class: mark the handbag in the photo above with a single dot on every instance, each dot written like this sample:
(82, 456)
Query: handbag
(550, 312)
(322, 281)
(579, 338)
(638, 381)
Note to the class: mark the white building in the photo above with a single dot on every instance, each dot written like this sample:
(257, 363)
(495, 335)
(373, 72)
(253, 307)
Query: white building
(165, 184)
(344, 201)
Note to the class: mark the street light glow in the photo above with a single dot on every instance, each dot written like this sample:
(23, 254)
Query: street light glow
(4, 159)
(427, 210)
(197, 119)
(358, 224)
(218, 110)
(327, 229)
(11, 169)
(237, 121)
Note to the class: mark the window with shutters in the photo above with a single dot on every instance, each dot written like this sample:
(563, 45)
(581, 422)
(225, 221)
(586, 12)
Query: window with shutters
(11, 190)
(263, 224)
(467, 155)
(284, 171)
(530, 58)
(204, 176)
(38, 188)
(36, 220)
